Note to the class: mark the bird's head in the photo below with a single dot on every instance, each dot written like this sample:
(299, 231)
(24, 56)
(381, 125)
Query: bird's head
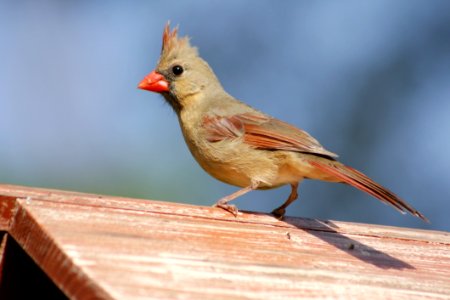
(181, 75)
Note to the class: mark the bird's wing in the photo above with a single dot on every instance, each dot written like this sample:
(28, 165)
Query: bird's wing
(262, 132)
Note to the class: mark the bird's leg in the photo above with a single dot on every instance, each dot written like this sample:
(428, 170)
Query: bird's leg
(223, 202)
(280, 211)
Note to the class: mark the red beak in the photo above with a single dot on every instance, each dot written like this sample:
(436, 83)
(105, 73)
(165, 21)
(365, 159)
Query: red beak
(154, 82)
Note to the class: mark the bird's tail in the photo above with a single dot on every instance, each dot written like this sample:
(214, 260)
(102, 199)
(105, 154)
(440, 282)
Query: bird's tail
(359, 180)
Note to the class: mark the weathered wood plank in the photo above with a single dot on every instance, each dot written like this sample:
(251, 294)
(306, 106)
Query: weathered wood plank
(118, 248)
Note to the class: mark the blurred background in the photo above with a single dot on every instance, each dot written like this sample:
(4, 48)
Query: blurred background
(369, 79)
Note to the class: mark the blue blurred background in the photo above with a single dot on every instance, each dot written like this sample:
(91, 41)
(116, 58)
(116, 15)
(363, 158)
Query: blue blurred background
(369, 79)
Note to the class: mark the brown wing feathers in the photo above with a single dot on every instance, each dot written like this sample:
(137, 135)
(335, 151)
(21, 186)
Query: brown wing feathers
(262, 132)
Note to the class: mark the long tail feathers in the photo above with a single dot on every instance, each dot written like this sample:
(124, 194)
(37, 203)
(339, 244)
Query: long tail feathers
(364, 183)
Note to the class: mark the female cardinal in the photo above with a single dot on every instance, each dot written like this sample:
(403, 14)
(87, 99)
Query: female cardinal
(240, 145)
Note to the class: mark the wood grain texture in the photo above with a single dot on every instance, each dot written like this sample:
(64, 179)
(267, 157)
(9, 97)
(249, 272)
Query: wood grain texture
(117, 248)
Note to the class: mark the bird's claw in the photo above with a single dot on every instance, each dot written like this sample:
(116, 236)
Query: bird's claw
(228, 207)
(279, 213)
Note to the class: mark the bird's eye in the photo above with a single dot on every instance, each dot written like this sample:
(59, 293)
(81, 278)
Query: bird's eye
(177, 70)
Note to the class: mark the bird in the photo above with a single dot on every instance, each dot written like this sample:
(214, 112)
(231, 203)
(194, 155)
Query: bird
(240, 145)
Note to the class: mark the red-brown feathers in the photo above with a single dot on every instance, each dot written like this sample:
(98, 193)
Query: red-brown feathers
(169, 37)
(364, 183)
(220, 128)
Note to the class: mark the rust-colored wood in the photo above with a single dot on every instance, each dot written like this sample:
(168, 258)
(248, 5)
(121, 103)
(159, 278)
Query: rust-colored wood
(7, 204)
(95, 246)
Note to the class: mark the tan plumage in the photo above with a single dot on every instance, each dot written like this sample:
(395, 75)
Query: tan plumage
(240, 145)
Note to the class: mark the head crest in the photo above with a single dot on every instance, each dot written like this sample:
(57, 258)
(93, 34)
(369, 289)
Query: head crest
(172, 43)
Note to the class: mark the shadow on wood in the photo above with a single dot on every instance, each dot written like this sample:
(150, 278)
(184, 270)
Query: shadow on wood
(324, 231)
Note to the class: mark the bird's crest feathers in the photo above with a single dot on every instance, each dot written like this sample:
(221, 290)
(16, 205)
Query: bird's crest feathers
(173, 46)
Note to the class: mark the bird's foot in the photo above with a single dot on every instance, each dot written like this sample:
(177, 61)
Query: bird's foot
(279, 213)
(228, 207)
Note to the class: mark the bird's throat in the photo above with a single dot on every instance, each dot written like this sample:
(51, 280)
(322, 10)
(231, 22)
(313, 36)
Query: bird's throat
(173, 101)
